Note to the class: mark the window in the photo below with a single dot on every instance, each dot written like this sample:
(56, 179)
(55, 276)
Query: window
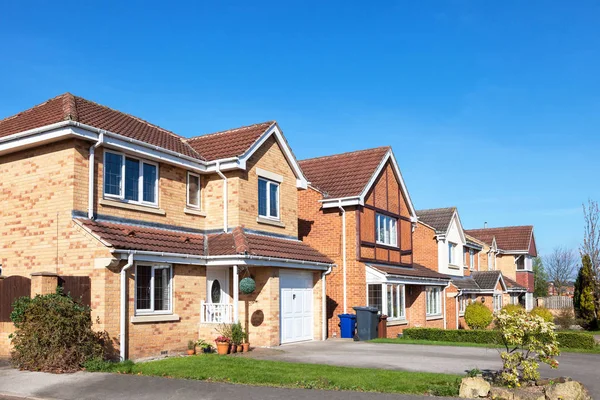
(193, 190)
(463, 301)
(472, 259)
(497, 302)
(434, 301)
(491, 261)
(465, 252)
(130, 179)
(395, 302)
(153, 292)
(387, 232)
(514, 299)
(268, 198)
(451, 251)
(374, 296)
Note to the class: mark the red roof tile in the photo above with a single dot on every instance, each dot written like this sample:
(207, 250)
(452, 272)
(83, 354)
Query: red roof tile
(241, 242)
(508, 238)
(343, 175)
(132, 237)
(230, 143)
(417, 271)
(69, 107)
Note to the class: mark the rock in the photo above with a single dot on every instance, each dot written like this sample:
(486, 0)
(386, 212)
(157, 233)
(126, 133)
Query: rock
(501, 393)
(570, 390)
(529, 393)
(542, 382)
(474, 388)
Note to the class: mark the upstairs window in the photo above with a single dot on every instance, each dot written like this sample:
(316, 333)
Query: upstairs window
(472, 259)
(193, 190)
(268, 198)
(130, 179)
(451, 253)
(387, 231)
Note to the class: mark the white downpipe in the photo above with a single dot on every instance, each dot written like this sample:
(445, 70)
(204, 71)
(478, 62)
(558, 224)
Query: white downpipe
(218, 170)
(344, 251)
(236, 295)
(444, 294)
(458, 307)
(123, 333)
(324, 301)
(91, 166)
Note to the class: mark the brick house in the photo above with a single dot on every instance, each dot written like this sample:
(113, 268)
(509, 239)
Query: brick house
(358, 212)
(163, 227)
(511, 250)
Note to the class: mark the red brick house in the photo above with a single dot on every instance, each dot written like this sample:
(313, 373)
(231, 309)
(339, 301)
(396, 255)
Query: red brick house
(161, 227)
(358, 212)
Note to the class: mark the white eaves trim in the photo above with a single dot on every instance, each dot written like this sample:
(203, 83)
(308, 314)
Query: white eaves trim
(375, 276)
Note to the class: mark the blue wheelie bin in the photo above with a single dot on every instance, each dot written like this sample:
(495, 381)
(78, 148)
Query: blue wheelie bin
(347, 325)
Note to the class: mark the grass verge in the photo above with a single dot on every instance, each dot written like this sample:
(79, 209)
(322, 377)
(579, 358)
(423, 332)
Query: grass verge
(289, 375)
(595, 350)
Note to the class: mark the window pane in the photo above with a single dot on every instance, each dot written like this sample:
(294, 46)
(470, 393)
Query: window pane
(395, 288)
(401, 294)
(194, 190)
(393, 232)
(262, 197)
(161, 289)
(144, 275)
(375, 296)
(390, 301)
(112, 175)
(149, 183)
(132, 178)
(273, 201)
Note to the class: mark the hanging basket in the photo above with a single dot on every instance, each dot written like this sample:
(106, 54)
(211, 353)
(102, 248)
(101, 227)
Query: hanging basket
(247, 285)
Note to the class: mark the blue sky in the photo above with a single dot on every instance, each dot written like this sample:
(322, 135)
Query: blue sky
(490, 106)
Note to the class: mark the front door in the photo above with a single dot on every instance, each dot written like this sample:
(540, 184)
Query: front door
(217, 308)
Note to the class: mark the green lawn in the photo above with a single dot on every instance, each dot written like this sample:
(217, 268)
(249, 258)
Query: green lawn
(596, 350)
(249, 371)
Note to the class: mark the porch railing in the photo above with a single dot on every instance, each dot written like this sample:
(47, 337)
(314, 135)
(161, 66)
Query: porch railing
(213, 313)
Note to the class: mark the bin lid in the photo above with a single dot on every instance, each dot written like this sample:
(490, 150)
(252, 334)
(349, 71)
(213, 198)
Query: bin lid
(353, 316)
(370, 309)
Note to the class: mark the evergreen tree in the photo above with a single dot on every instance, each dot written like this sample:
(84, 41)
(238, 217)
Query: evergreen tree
(583, 299)
(540, 278)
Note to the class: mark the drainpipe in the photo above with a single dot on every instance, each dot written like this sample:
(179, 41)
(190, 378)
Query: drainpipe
(343, 250)
(123, 333)
(324, 301)
(236, 295)
(218, 170)
(457, 307)
(91, 174)
(444, 293)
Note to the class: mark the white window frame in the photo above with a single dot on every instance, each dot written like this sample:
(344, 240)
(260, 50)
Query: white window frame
(497, 300)
(463, 302)
(452, 253)
(269, 183)
(400, 303)
(121, 197)
(187, 191)
(472, 259)
(433, 300)
(151, 311)
(390, 226)
(383, 294)
(491, 261)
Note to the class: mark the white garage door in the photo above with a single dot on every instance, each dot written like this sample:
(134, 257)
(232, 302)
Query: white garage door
(296, 305)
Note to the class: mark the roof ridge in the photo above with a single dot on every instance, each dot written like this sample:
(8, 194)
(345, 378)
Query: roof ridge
(500, 227)
(34, 107)
(346, 153)
(202, 136)
(437, 209)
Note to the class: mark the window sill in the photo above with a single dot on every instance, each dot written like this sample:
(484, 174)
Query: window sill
(453, 266)
(268, 221)
(192, 211)
(134, 207)
(140, 319)
(395, 322)
(434, 317)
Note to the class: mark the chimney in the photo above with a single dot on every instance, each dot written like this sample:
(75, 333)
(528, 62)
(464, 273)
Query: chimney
(485, 225)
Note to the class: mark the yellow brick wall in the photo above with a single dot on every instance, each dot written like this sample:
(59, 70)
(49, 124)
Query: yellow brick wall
(506, 264)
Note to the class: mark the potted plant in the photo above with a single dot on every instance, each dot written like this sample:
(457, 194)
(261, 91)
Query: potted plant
(224, 331)
(245, 343)
(191, 348)
(204, 346)
(237, 336)
(222, 345)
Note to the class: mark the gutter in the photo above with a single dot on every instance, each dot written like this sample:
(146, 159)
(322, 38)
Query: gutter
(324, 329)
(91, 167)
(225, 201)
(123, 322)
(344, 252)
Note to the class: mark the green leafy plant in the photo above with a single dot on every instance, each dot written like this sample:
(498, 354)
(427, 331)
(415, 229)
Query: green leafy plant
(478, 316)
(225, 330)
(53, 333)
(474, 372)
(583, 299)
(454, 335)
(544, 313)
(237, 334)
(204, 345)
(529, 340)
(511, 308)
(565, 318)
(191, 345)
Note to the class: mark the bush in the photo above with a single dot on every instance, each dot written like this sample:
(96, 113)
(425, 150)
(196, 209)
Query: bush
(478, 316)
(565, 318)
(454, 335)
(53, 333)
(512, 308)
(544, 313)
(575, 340)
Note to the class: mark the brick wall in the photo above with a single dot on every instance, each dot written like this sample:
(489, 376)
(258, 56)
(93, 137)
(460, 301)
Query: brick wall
(425, 247)
(526, 279)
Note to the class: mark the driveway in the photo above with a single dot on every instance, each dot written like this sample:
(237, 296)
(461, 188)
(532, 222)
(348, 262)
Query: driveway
(458, 360)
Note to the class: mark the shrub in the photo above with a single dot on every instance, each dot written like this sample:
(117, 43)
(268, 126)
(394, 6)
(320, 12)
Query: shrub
(544, 313)
(583, 299)
(529, 340)
(565, 318)
(53, 333)
(478, 316)
(512, 308)
(454, 335)
(575, 340)
(237, 334)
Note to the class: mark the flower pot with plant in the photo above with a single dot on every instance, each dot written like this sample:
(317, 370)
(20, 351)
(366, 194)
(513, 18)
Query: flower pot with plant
(205, 347)
(222, 345)
(245, 343)
(237, 336)
(191, 348)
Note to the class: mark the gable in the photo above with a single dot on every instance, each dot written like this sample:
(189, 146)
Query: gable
(386, 193)
(532, 247)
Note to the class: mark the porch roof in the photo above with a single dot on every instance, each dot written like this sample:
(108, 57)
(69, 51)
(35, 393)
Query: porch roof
(513, 286)
(415, 271)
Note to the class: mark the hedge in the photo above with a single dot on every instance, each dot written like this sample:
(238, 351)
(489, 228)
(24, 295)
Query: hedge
(572, 340)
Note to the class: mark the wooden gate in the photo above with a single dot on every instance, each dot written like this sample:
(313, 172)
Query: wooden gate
(11, 288)
(78, 287)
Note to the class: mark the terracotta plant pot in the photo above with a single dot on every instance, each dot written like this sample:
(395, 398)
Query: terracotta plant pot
(240, 348)
(246, 347)
(191, 352)
(233, 349)
(222, 348)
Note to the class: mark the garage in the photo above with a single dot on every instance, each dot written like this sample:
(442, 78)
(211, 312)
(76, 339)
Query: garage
(296, 305)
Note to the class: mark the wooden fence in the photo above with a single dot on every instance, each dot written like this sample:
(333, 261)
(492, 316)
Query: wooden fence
(11, 288)
(555, 302)
(78, 287)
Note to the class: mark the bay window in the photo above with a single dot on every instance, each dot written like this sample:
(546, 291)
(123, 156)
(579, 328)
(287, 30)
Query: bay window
(387, 232)
(433, 300)
(130, 179)
(375, 296)
(193, 190)
(395, 302)
(268, 198)
(153, 289)
(497, 302)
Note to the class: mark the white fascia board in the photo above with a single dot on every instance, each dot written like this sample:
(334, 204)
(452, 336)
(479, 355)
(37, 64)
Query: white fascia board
(226, 164)
(344, 202)
(461, 231)
(274, 130)
(39, 137)
(501, 279)
(264, 262)
(417, 281)
(379, 276)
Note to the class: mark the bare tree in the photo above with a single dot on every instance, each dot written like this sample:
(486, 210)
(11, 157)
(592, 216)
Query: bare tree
(560, 266)
(591, 234)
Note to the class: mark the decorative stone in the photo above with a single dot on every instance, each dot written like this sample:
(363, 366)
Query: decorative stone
(529, 393)
(474, 388)
(567, 391)
(501, 393)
